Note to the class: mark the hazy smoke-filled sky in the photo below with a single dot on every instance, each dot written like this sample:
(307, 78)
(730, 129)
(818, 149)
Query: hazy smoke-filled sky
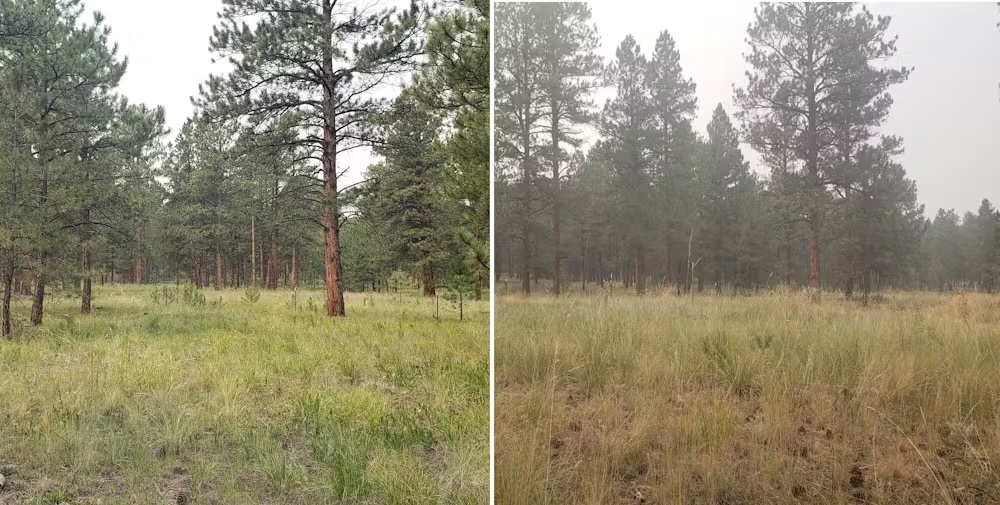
(167, 47)
(948, 112)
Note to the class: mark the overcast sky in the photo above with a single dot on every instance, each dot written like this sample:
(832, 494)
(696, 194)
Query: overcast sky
(948, 112)
(167, 47)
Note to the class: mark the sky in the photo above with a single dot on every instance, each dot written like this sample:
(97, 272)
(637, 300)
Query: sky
(948, 112)
(167, 47)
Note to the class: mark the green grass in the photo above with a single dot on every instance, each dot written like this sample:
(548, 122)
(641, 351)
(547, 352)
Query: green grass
(735, 400)
(236, 402)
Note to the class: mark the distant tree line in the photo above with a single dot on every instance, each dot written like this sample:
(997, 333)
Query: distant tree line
(247, 193)
(655, 203)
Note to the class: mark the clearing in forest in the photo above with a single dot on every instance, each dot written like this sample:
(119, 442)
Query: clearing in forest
(738, 400)
(170, 398)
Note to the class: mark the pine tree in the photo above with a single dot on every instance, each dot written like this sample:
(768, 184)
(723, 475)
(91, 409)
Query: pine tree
(810, 62)
(627, 123)
(725, 179)
(455, 82)
(321, 63)
(571, 67)
(407, 190)
(518, 82)
(674, 104)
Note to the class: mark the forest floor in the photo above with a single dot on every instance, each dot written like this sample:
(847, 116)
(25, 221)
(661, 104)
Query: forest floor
(737, 400)
(231, 402)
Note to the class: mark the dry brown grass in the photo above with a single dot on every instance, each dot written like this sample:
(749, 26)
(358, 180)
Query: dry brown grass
(771, 399)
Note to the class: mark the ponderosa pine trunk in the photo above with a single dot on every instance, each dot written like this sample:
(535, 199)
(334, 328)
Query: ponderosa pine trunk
(600, 270)
(8, 294)
(6, 326)
(557, 259)
(38, 302)
(788, 255)
(812, 169)
(138, 256)
(87, 281)
(814, 260)
(640, 272)
(295, 268)
(272, 262)
(526, 215)
(525, 271)
(220, 280)
(206, 274)
(718, 278)
(331, 207)
(253, 250)
(427, 278)
(260, 263)
(668, 271)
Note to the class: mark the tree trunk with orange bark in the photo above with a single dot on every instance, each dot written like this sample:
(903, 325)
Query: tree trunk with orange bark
(427, 278)
(220, 280)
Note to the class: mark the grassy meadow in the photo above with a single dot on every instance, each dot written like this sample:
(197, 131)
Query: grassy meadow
(748, 400)
(154, 399)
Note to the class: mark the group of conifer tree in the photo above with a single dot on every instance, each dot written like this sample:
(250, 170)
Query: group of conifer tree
(248, 192)
(653, 202)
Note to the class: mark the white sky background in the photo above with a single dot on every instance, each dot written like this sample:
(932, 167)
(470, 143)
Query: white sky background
(947, 112)
(167, 47)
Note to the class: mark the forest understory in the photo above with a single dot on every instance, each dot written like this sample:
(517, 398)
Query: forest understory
(174, 395)
(665, 399)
